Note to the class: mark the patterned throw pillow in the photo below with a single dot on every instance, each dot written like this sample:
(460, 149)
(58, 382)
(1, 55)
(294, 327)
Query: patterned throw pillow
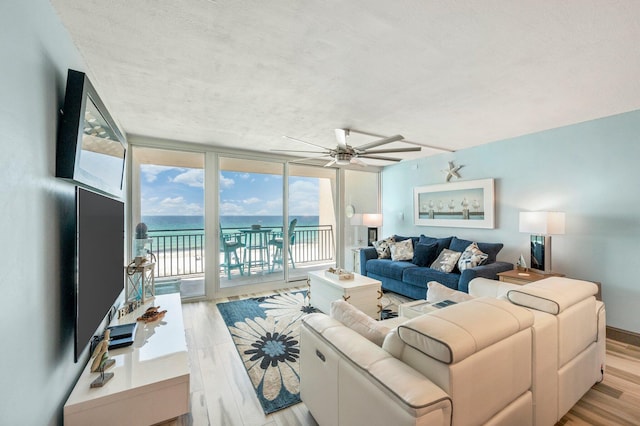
(471, 257)
(402, 250)
(446, 261)
(383, 247)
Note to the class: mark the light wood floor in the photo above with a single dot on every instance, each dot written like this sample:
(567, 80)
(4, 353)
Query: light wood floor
(221, 392)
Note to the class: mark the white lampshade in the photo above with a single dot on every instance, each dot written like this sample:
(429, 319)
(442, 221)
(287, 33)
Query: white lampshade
(372, 220)
(542, 223)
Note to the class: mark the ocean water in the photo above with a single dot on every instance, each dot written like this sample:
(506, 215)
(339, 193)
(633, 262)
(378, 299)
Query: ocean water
(174, 223)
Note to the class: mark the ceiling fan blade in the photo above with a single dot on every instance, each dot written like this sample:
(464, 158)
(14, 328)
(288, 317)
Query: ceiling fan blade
(341, 137)
(330, 163)
(299, 160)
(358, 162)
(308, 143)
(378, 157)
(293, 150)
(380, 142)
(390, 150)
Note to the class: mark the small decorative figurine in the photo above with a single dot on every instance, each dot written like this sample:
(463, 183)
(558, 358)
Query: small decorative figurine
(152, 314)
(102, 361)
(521, 264)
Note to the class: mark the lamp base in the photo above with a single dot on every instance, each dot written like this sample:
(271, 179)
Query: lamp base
(372, 236)
(541, 254)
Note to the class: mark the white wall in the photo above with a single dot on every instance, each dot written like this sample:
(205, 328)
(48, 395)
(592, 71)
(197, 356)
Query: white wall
(361, 191)
(589, 170)
(37, 370)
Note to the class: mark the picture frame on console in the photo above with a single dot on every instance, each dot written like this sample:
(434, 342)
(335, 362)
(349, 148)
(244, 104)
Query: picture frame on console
(468, 204)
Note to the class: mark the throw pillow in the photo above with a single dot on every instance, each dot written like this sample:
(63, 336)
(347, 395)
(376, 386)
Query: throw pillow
(359, 322)
(443, 243)
(402, 250)
(446, 261)
(383, 247)
(425, 254)
(471, 257)
(437, 292)
(491, 249)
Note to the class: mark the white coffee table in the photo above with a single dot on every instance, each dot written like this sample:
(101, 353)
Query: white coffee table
(419, 307)
(362, 292)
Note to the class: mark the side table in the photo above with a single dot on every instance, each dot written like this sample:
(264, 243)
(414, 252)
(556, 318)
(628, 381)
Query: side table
(519, 277)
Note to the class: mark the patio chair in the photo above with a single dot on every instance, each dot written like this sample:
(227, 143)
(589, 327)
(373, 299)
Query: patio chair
(278, 242)
(229, 244)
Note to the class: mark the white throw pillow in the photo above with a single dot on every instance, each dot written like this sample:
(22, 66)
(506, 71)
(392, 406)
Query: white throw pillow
(359, 322)
(402, 250)
(437, 292)
(446, 261)
(472, 257)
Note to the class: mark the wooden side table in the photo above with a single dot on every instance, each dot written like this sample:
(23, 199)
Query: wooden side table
(519, 277)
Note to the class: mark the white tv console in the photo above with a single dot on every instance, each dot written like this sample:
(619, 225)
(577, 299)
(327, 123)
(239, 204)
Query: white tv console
(151, 381)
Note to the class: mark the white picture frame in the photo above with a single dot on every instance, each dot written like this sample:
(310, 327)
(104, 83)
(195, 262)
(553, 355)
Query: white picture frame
(468, 204)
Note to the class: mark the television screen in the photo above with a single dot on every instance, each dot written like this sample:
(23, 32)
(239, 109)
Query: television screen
(91, 149)
(99, 261)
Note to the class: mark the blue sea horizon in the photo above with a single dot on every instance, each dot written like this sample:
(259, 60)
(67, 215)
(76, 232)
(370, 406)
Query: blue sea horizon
(174, 223)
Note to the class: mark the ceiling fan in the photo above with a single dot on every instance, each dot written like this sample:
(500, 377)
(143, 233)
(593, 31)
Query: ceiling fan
(344, 153)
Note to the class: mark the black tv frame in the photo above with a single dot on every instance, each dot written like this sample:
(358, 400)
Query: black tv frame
(99, 263)
(79, 96)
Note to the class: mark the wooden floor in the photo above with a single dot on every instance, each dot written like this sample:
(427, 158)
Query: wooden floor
(221, 392)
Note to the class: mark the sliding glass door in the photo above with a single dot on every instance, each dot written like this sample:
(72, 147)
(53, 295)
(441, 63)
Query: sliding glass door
(312, 211)
(168, 211)
(250, 221)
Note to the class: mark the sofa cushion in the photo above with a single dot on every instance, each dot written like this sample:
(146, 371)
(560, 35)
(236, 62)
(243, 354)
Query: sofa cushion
(450, 335)
(402, 250)
(552, 295)
(471, 257)
(421, 276)
(443, 243)
(446, 261)
(383, 247)
(491, 249)
(355, 319)
(388, 268)
(424, 254)
(437, 292)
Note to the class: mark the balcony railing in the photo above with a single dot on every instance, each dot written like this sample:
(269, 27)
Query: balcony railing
(181, 252)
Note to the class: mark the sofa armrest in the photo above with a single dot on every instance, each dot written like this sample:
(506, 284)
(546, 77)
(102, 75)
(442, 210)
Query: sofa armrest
(366, 253)
(489, 271)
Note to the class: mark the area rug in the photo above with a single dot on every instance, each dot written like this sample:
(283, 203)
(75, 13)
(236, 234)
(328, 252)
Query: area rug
(266, 333)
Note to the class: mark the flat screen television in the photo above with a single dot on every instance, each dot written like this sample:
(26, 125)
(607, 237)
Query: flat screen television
(91, 149)
(99, 262)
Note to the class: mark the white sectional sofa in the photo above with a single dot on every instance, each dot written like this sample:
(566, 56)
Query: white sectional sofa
(483, 361)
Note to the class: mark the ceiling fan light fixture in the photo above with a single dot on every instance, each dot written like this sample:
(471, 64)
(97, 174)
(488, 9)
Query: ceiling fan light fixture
(343, 158)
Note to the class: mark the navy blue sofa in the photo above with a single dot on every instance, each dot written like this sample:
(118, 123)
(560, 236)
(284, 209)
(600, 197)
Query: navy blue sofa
(410, 278)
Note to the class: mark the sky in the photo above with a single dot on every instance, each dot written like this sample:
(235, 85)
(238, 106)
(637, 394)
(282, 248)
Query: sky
(177, 191)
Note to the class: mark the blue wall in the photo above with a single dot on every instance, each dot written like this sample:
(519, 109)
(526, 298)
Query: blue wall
(37, 371)
(588, 170)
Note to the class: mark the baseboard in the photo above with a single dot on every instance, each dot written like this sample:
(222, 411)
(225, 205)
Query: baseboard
(624, 336)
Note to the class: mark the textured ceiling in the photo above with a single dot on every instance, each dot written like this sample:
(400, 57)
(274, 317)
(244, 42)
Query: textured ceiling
(452, 74)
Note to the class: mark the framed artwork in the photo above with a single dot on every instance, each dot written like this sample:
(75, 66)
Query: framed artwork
(467, 204)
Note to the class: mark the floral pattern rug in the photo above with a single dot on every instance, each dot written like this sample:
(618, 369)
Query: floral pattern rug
(266, 333)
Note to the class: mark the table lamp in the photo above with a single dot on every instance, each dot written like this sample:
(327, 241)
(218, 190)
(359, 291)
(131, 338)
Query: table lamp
(372, 221)
(541, 225)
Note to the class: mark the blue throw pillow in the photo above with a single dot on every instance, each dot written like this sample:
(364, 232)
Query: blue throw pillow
(443, 243)
(425, 254)
(414, 240)
(491, 249)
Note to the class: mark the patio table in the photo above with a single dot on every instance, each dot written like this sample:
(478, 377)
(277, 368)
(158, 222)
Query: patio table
(257, 247)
